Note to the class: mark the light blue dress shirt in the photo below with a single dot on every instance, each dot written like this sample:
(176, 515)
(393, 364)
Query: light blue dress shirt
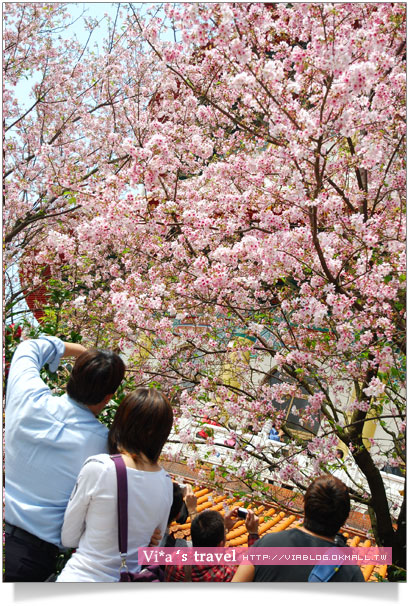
(48, 438)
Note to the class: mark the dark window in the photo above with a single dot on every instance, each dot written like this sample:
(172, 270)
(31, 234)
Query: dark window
(293, 421)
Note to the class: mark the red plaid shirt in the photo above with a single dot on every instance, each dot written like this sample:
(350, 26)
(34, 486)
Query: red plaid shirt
(204, 574)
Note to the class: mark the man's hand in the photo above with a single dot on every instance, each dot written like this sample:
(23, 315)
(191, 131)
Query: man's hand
(251, 522)
(156, 538)
(231, 518)
(190, 501)
(73, 350)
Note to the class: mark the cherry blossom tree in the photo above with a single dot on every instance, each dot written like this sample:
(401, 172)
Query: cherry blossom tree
(62, 123)
(226, 204)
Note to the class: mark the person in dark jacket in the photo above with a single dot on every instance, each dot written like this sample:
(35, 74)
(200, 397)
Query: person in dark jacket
(326, 508)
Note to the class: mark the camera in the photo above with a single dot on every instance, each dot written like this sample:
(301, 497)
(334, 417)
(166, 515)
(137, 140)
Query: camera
(242, 513)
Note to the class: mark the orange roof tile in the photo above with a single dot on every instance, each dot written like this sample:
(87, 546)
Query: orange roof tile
(367, 570)
(378, 570)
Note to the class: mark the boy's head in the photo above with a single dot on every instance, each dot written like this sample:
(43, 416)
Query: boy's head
(207, 529)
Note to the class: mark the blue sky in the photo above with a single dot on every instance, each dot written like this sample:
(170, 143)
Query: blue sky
(23, 90)
(79, 11)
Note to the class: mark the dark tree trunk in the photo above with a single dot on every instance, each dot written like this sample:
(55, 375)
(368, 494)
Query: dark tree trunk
(384, 532)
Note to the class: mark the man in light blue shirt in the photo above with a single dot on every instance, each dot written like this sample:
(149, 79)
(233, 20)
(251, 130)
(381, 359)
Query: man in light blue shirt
(48, 438)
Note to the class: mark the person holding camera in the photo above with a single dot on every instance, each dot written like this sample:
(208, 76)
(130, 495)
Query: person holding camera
(47, 440)
(208, 529)
(326, 508)
(184, 505)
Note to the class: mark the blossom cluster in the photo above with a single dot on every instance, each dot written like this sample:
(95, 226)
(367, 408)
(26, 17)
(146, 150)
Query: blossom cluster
(223, 207)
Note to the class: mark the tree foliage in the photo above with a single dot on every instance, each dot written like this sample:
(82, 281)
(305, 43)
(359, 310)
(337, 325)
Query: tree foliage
(226, 206)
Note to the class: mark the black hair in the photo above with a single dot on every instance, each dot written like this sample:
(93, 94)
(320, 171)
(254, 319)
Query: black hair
(141, 424)
(177, 503)
(326, 506)
(207, 529)
(96, 374)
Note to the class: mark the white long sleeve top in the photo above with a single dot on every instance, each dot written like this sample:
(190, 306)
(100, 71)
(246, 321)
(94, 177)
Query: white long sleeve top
(90, 521)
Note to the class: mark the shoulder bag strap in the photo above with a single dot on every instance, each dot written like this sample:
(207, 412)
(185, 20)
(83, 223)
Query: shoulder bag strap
(322, 573)
(121, 471)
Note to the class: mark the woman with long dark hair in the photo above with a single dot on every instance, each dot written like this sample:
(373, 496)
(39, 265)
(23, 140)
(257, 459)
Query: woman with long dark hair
(139, 431)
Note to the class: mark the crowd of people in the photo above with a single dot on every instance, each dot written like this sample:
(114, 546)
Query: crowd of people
(62, 489)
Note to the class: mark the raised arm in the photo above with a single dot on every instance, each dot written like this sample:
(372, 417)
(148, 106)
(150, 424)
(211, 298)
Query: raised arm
(244, 574)
(73, 350)
(30, 356)
(251, 523)
(190, 501)
(24, 377)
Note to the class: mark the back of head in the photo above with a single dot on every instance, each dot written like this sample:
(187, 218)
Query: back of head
(95, 375)
(326, 506)
(141, 424)
(207, 529)
(177, 503)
